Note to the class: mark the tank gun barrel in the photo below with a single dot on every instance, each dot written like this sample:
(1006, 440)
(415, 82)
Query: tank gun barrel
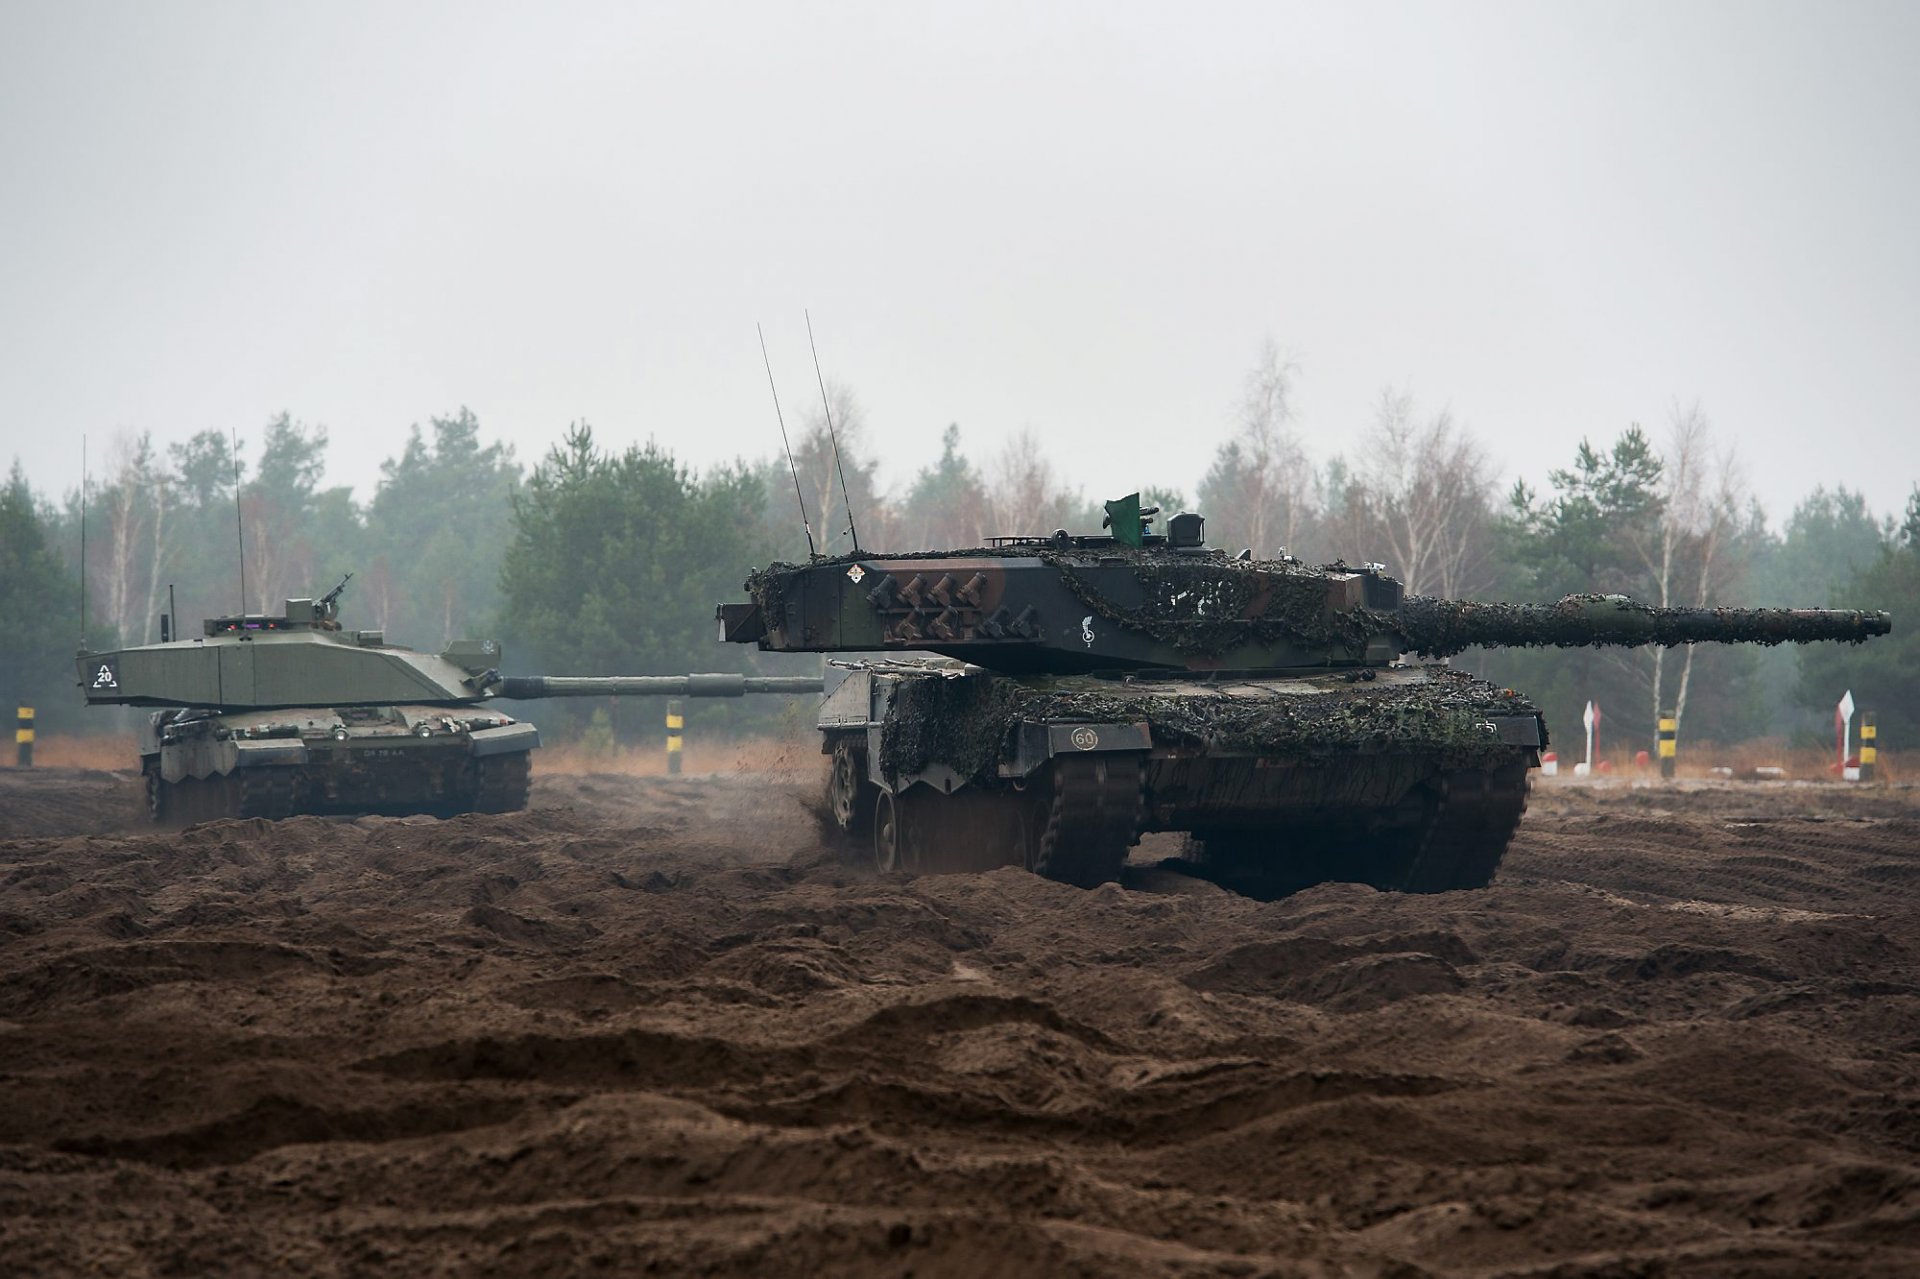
(1442, 627)
(528, 687)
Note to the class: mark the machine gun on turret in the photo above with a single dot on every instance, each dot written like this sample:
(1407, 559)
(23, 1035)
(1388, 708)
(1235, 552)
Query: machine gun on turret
(329, 604)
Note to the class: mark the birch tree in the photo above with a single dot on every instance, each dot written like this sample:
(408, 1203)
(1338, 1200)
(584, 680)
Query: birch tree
(1428, 487)
(834, 507)
(1258, 489)
(129, 564)
(1702, 496)
(1026, 497)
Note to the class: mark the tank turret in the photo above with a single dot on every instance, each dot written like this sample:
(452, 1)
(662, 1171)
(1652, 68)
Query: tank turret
(1072, 605)
(1084, 689)
(267, 715)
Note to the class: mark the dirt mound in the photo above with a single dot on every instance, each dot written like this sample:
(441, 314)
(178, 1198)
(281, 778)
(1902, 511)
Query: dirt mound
(69, 801)
(652, 1024)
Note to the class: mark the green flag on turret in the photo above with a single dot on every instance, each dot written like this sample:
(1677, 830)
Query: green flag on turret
(1123, 517)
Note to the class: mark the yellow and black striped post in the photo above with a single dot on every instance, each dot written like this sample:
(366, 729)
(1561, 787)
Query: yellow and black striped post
(1869, 745)
(675, 722)
(23, 737)
(1669, 742)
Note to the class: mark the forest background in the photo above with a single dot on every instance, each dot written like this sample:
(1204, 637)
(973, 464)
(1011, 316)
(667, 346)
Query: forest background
(596, 562)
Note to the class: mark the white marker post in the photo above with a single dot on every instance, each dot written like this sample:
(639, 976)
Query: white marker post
(1591, 718)
(1843, 726)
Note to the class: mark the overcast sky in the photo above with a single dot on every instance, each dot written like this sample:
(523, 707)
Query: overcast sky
(1552, 219)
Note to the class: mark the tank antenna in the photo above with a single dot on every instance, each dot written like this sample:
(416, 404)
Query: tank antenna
(239, 525)
(828, 408)
(812, 554)
(83, 542)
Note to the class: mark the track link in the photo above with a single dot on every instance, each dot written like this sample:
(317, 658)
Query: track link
(1475, 815)
(502, 783)
(1094, 818)
(262, 792)
(1466, 820)
(160, 803)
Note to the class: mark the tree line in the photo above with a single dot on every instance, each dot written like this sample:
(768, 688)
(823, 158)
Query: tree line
(601, 561)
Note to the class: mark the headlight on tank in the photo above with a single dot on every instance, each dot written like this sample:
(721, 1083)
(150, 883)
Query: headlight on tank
(423, 729)
(340, 733)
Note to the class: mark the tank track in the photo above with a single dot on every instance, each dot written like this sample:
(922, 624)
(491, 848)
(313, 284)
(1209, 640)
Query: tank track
(1093, 819)
(1456, 840)
(271, 793)
(158, 793)
(502, 783)
(1463, 841)
(263, 792)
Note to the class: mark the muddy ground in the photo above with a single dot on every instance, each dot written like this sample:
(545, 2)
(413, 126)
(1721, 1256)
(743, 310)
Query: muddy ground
(650, 1026)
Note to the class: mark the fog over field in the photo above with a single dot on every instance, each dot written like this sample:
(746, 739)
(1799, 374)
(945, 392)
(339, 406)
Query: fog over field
(1079, 220)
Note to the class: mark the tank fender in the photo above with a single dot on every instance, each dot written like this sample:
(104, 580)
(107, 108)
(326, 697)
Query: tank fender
(505, 740)
(270, 753)
(1035, 744)
(1520, 730)
(850, 705)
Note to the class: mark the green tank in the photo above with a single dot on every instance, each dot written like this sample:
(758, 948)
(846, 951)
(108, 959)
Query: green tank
(271, 715)
(1043, 701)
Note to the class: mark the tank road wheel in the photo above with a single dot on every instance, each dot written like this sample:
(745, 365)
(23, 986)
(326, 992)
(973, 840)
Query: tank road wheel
(1472, 819)
(159, 798)
(1094, 818)
(888, 848)
(502, 783)
(850, 796)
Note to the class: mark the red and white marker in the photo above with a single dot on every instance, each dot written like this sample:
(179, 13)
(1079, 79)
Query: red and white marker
(1591, 718)
(1843, 729)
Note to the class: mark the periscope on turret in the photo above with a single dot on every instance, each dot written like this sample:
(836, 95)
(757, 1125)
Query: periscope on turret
(267, 715)
(1044, 700)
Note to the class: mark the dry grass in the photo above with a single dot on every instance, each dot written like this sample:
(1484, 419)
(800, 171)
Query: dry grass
(741, 755)
(87, 750)
(1699, 759)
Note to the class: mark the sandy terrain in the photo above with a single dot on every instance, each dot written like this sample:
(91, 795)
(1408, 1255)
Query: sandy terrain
(652, 1026)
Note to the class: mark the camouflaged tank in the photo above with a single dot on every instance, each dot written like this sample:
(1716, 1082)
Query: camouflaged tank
(1086, 689)
(271, 715)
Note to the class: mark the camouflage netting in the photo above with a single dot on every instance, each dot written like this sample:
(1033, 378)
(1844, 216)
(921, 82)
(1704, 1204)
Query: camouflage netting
(968, 723)
(1441, 627)
(1196, 604)
(1295, 608)
(1295, 611)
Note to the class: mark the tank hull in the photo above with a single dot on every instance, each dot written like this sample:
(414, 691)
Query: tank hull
(201, 765)
(1408, 778)
(268, 715)
(1129, 682)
